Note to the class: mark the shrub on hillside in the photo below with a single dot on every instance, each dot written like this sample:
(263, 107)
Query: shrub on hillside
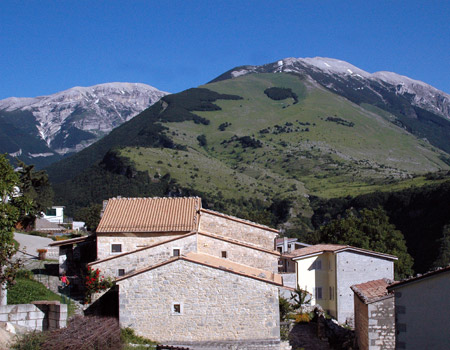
(277, 93)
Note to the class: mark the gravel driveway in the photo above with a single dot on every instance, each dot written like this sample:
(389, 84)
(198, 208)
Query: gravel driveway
(30, 244)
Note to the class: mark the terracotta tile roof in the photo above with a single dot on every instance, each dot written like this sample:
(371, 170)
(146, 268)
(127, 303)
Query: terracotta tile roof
(333, 248)
(217, 263)
(315, 249)
(150, 215)
(372, 291)
(42, 224)
(243, 221)
(71, 241)
(420, 277)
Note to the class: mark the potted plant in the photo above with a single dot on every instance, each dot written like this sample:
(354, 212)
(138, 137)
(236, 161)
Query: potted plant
(42, 253)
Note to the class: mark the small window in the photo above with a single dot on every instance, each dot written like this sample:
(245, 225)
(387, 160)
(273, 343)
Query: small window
(121, 272)
(177, 308)
(319, 293)
(224, 254)
(331, 293)
(176, 252)
(116, 248)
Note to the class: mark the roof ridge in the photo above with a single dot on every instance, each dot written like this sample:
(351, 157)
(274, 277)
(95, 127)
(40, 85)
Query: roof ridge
(134, 198)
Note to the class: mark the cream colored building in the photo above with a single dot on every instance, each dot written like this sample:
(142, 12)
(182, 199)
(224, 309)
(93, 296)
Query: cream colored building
(327, 271)
(188, 275)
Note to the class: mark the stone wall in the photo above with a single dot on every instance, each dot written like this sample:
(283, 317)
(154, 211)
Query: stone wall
(241, 231)
(129, 241)
(146, 257)
(381, 328)
(361, 324)
(354, 268)
(238, 253)
(215, 305)
(39, 316)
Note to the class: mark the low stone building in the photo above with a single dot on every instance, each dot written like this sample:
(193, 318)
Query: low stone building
(422, 304)
(192, 276)
(374, 315)
(198, 298)
(327, 271)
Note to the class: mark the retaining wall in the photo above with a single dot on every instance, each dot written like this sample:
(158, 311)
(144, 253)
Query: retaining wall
(40, 315)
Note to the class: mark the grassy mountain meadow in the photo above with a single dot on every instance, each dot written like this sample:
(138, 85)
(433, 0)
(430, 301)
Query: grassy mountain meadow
(258, 146)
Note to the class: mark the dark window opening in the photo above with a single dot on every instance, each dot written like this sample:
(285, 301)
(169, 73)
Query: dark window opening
(121, 272)
(176, 252)
(116, 248)
(50, 212)
(177, 308)
(224, 254)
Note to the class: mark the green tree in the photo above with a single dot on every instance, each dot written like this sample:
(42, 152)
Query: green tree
(90, 215)
(12, 205)
(370, 229)
(35, 186)
(443, 258)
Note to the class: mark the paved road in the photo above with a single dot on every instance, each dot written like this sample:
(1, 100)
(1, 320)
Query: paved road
(30, 244)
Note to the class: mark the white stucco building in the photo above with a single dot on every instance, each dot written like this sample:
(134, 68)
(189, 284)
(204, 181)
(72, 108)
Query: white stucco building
(327, 271)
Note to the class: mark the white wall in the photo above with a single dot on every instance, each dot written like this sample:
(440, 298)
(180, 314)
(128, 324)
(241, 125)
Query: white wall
(354, 268)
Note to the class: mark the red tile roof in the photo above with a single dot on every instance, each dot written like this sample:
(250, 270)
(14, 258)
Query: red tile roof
(372, 291)
(315, 249)
(332, 248)
(150, 215)
(420, 277)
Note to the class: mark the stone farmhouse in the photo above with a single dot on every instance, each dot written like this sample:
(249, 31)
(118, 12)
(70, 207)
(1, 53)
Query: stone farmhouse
(422, 304)
(374, 315)
(189, 276)
(327, 271)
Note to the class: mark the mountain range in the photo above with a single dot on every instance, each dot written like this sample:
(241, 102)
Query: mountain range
(43, 129)
(289, 129)
(285, 144)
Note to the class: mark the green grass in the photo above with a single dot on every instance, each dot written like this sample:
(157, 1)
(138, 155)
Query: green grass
(329, 160)
(128, 338)
(27, 290)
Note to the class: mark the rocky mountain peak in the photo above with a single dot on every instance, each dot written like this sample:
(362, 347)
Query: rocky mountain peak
(70, 120)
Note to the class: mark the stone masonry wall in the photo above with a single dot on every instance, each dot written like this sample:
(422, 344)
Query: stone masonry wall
(354, 268)
(216, 305)
(39, 316)
(237, 253)
(146, 257)
(382, 324)
(361, 324)
(237, 230)
(129, 241)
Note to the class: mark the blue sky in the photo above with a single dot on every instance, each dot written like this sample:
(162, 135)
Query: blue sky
(49, 46)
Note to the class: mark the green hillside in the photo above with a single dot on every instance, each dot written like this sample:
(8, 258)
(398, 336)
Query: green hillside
(266, 147)
(255, 139)
(322, 145)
